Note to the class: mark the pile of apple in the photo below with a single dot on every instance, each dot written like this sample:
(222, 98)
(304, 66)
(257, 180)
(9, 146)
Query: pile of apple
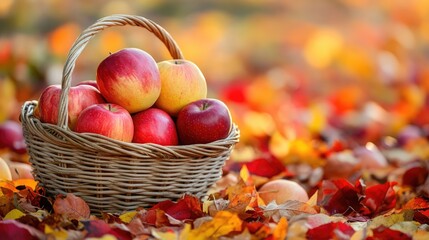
(135, 99)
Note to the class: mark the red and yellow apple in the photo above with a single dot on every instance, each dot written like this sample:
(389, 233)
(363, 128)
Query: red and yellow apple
(20, 170)
(203, 121)
(5, 173)
(107, 119)
(182, 82)
(129, 78)
(154, 125)
(11, 137)
(282, 190)
(88, 82)
(80, 97)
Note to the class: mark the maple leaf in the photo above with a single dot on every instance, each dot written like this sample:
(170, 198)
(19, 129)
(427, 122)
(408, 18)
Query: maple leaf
(71, 206)
(339, 196)
(415, 176)
(99, 228)
(288, 209)
(383, 232)
(378, 199)
(332, 230)
(223, 223)
(187, 208)
(12, 229)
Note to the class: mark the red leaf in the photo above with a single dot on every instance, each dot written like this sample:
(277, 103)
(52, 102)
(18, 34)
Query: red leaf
(266, 166)
(339, 196)
(415, 176)
(187, 208)
(417, 203)
(382, 232)
(379, 199)
(154, 217)
(422, 216)
(71, 206)
(333, 230)
(12, 229)
(99, 228)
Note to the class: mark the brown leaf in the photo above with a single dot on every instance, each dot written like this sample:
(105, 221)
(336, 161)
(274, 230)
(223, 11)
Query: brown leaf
(288, 209)
(71, 206)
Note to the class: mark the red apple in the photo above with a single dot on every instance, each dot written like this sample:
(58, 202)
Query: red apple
(130, 78)
(203, 121)
(80, 97)
(108, 119)
(154, 125)
(12, 137)
(88, 82)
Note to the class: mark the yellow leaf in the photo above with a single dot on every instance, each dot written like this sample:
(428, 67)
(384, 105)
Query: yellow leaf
(280, 230)
(27, 182)
(128, 216)
(184, 234)
(223, 223)
(313, 199)
(104, 237)
(244, 173)
(170, 235)
(58, 234)
(14, 214)
(421, 235)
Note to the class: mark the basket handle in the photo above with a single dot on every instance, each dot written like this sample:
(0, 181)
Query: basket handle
(87, 34)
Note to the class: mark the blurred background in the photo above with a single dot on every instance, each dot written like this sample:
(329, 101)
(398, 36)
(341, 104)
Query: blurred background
(292, 72)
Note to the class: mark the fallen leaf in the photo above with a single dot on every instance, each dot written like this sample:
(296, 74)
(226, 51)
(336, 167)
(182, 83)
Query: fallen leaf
(99, 228)
(14, 214)
(339, 196)
(128, 216)
(333, 230)
(187, 208)
(383, 232)
(288, 209)
(379, 199)
(280, 231)
(223, 223)
(71, 206)
(12, 229)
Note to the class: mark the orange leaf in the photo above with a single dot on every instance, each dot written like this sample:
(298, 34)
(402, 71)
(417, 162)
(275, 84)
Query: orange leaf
(71, 206)
(223, 223)
(280, 230)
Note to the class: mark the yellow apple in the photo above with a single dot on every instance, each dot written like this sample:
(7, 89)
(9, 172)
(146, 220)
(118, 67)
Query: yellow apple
(5, 173)
(282, 190)
(182, 82)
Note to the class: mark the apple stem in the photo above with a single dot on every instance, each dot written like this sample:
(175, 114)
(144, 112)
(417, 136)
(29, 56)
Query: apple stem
(110, 107)
(205, 106)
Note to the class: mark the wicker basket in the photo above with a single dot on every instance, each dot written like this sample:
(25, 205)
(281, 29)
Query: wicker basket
(111, 175)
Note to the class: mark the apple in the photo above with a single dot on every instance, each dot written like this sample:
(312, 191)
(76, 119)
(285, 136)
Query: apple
(88, 82)
(203, 121)
(20, 170)
(80, 97)
(108, 119)
(12, 137)
(154, 125)
(130, 78)
(282, 190)
(182, 82)
(5, 173)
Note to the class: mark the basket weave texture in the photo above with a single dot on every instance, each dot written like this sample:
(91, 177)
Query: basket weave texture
(111, 175)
